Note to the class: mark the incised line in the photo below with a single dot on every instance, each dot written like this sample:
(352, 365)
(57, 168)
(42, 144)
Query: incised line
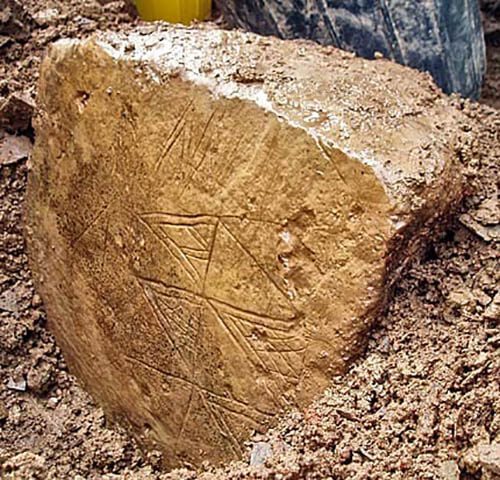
(269, 356)
(204, 391)
(197, 237)
(210, 253)
(169, 249)
(104, 250)
(173, 136)
(94, 221)
(236, 311)
(226, 434)
(263, 270)
(186, 415)
(208, 218)
(160, 319)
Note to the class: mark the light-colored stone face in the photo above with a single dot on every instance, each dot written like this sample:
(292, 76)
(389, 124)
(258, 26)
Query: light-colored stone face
(205, 262)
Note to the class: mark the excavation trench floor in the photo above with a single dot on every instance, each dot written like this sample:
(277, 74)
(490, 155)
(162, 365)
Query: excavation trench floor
(424, 402)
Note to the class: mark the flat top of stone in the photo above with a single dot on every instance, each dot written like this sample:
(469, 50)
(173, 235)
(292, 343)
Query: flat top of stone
(389, 117)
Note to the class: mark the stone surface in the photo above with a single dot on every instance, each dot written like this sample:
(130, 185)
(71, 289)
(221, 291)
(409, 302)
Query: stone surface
(261, 451)
(14, 148)
(449, 471)
(16, 112)
(215, 220)
(489, 457)
(442, 37)
(15, 21)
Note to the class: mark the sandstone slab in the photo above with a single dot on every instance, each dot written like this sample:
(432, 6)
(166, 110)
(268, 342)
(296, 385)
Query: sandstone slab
(215, 220)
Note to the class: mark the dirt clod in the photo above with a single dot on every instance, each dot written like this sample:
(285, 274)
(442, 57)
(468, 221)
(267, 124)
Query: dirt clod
(4, 413)
(15, 21)
(489, 457)
(449, 471)
(24, 465)
(16, 112)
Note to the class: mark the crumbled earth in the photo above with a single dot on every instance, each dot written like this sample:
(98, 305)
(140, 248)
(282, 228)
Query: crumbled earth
(424, 402)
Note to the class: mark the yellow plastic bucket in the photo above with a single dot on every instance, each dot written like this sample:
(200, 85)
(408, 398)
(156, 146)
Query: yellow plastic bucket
(174, 11)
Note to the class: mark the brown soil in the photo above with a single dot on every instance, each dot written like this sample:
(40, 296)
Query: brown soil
(423, 403)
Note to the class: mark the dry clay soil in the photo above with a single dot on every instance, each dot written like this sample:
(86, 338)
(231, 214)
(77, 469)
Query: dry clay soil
(423, 403)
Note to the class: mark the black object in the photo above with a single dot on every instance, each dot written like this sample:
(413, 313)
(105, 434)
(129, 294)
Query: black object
(442, 37)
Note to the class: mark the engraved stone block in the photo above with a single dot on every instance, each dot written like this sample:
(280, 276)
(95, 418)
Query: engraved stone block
(215, 220)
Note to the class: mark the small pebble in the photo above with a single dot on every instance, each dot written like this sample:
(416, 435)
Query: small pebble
(52, 402)
(261, 451)
(18, 386)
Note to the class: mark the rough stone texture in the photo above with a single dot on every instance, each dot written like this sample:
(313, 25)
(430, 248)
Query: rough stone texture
(215, 220)
(443, 37)
(16, 112)
(15, 21)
